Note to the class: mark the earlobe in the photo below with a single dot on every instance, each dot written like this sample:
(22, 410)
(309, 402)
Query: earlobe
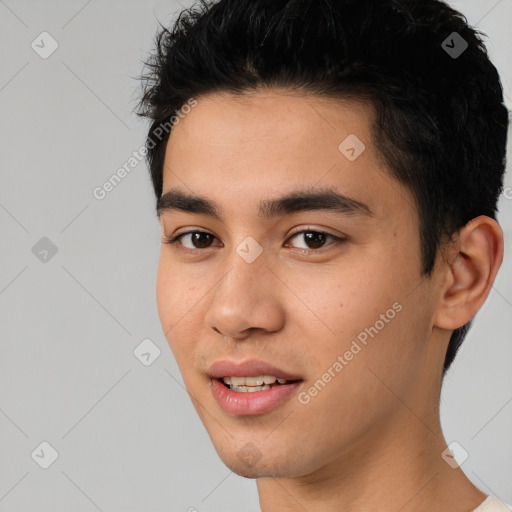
(470, 273)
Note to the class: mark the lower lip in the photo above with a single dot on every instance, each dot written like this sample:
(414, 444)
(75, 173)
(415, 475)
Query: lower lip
(252, 403)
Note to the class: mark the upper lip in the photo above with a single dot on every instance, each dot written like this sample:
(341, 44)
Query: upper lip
(250, 368)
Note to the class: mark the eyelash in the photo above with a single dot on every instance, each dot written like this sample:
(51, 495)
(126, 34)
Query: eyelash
(173, 241)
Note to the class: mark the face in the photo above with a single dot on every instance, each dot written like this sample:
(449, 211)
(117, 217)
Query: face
(333, 297)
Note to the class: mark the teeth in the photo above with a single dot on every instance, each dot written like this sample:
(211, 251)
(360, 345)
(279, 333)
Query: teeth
(253, 382)
(249, 389)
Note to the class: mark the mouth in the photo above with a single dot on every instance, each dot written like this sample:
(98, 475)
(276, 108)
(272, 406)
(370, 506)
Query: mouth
(254, 384)
(251, 370)
(251, 387)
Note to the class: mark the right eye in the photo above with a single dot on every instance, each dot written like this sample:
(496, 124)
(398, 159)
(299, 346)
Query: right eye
(198, 238)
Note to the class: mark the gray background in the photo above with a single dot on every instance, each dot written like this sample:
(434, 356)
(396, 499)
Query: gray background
(127, 436)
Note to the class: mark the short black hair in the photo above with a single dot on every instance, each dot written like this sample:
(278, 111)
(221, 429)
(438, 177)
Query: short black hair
(440, 121)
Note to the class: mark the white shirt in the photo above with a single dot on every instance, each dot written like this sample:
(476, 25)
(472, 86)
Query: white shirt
(492, 504)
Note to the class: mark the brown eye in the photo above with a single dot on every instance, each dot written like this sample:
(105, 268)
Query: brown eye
(199, 240)
(314, 240)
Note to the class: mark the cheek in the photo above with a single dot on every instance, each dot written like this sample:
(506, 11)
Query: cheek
(370, 318)
(171, 301)
(179, 306)
(164, 295)
(351, 301)
(171, 285)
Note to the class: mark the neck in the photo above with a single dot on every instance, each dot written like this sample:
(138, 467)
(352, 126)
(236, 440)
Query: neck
(386, 471)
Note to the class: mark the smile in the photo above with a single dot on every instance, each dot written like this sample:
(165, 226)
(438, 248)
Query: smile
(244, 400)
(252, 384)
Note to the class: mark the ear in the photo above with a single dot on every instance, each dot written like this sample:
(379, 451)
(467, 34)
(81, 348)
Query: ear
(471, 269)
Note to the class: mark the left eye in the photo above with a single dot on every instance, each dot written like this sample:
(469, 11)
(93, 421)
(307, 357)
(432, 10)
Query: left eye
(313, 239)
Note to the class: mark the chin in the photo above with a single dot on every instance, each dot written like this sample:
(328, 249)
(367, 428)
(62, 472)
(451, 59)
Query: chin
(245, 471)
(249, 462)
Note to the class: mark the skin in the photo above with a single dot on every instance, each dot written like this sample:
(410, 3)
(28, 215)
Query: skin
(371, 439)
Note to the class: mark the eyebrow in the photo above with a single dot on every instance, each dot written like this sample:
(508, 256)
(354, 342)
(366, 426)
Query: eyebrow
(303, 200)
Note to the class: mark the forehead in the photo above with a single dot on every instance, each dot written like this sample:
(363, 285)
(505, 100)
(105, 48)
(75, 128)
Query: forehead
(241, 149)
(222, 119)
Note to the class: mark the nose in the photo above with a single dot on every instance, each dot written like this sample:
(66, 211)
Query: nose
(247, 297)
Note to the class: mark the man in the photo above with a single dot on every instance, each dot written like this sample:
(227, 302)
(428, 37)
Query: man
(327, 199)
